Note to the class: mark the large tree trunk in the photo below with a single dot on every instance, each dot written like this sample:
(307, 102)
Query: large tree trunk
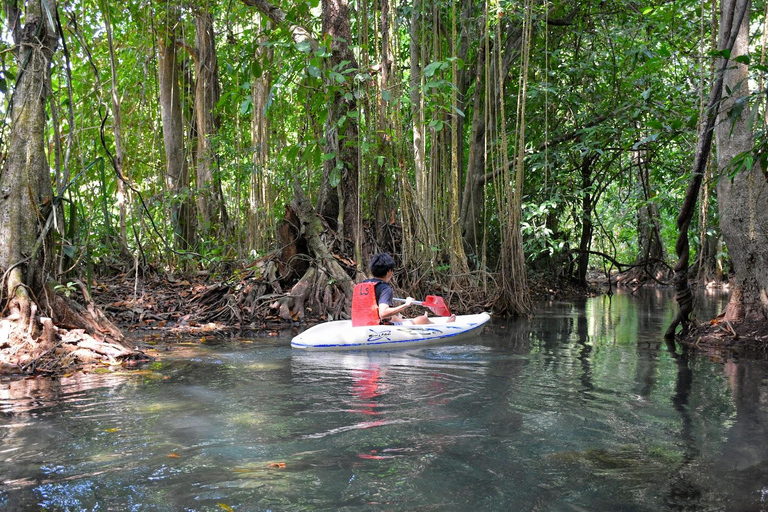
(26, 194)
(741, 199)
(177, 168)
(340, 206)
(29, 341)
(735, 13)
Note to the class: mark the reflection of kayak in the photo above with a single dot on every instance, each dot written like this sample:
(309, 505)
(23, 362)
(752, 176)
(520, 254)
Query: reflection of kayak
(341, 335)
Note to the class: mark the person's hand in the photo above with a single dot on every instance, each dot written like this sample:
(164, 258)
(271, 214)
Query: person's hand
(409, 301)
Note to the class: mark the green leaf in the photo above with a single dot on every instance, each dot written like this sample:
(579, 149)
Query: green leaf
(304, 46)
(436, 124)
(433, 67)
(655, 124)
(335, 176)
(256, 70)
(742, 59)
(245, 106)
(328, 156)
(386, 96)
(314, 71)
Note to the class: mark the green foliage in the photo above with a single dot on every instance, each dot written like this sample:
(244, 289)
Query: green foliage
(615, 85)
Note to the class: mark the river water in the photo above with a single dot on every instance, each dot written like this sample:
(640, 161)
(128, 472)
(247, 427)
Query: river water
(583, 407)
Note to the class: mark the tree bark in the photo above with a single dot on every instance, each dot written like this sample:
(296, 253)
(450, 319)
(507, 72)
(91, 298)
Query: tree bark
(336, 24)
(260, 224)
(651, 254)
(741, 197)
(177, 166)
(26, 194)
(340, 137)
(26, 205)
(587, 226)
(117, 130)
(210, 200)
(733, 15)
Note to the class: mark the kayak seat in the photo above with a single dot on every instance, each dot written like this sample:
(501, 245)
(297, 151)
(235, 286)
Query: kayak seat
(365, 309)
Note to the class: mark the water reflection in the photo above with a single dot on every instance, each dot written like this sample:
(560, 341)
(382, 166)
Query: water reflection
(582, 407)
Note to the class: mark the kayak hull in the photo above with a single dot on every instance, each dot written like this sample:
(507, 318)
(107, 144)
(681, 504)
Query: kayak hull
(340, 335)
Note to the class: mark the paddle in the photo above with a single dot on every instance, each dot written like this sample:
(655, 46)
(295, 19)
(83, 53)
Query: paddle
(433, 302)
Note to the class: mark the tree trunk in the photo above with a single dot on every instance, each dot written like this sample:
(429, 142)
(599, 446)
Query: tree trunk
(177, 167)
(26, 203)
(260, 225)
(734, 15)
(457, 256)
(476, 175)
(651, 255)
(117, 130)
(741, 198)
(26, 194)
(419, 148)
(340, 137)
(382, 199)
(587, 226)
(210, 200)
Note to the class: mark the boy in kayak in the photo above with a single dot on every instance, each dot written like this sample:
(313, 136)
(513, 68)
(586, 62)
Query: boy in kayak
(382, 268)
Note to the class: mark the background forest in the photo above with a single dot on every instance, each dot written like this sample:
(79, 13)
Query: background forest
(479, 142)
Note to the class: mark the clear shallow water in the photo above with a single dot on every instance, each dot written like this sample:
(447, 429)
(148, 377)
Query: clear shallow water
(583, 407)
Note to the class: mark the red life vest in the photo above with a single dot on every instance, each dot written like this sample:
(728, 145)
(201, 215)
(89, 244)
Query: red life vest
(365, 308)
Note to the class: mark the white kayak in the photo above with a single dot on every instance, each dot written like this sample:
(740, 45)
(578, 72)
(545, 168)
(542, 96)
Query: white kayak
(340, 335)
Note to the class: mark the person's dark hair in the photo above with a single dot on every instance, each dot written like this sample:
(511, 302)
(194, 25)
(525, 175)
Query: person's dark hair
(381, 264)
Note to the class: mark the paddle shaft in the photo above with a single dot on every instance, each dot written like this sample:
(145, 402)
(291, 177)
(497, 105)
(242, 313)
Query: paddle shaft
(417, 302)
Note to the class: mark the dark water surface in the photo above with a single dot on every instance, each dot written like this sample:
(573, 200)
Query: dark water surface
(583, 407)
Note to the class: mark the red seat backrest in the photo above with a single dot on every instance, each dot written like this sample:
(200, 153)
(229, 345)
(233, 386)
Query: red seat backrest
(365, 309)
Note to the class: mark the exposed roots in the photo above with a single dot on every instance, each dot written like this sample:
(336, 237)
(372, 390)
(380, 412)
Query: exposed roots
(68, 337)
(55, 350)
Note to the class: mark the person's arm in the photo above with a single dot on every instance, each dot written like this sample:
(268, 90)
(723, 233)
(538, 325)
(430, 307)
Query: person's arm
(387, 311)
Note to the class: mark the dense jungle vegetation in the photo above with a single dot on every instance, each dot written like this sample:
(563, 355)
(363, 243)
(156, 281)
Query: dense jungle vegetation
(275, 147)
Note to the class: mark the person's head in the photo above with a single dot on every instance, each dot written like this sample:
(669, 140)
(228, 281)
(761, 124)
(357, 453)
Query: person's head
(381, 264)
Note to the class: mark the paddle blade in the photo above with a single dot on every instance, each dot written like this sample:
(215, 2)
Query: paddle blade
(437, 305)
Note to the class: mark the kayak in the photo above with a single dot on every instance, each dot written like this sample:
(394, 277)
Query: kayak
(340, 335)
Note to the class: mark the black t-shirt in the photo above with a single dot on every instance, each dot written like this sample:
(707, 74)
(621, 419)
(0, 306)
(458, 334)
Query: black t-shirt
(384, 292)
